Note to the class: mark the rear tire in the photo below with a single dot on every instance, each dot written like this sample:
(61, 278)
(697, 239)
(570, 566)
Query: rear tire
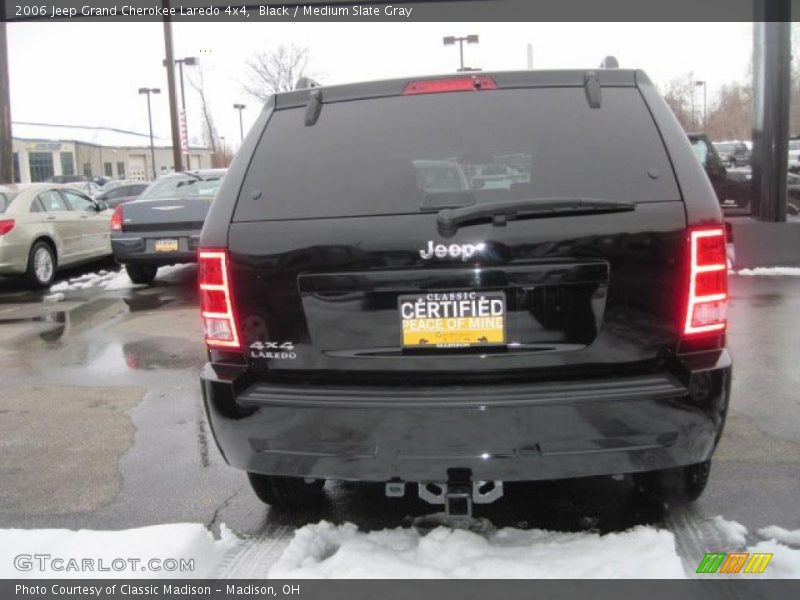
(41, 265)
(677, 486)
(141, 273)
(287, 492)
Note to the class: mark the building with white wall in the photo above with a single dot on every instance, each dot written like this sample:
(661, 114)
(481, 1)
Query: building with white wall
(42, 150)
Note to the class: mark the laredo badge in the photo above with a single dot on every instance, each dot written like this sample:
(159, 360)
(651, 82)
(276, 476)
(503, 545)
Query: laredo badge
(273, 350)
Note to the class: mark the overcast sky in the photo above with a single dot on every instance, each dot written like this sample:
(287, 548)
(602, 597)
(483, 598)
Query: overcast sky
(89, 73)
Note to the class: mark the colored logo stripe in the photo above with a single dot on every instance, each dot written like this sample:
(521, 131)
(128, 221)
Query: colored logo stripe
(734, 562)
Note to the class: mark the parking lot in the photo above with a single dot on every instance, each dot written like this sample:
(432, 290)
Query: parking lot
(102, 427)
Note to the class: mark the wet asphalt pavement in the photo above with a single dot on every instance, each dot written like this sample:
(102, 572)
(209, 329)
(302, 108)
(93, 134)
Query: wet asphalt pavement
(101, 426)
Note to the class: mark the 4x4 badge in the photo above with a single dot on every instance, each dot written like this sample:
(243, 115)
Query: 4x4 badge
(463, 251)
(281, 350)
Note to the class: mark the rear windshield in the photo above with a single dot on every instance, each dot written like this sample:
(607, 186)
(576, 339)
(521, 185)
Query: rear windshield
(187, 186)
(401, 155)
(5, 200)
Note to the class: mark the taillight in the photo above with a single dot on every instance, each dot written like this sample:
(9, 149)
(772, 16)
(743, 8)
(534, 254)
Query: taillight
(708, 282)
(216, 304)
(450, 84)
(6, 225)
(116, 219)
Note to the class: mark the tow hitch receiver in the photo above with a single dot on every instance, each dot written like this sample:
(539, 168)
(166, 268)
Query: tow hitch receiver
(460, 493)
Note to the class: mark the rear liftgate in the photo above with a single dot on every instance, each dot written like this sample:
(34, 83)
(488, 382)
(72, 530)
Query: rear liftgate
(458, 494)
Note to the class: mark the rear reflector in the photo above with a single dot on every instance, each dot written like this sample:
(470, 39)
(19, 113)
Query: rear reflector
(708, 282)
(450, 84)
(6, 225)
(216, 303)
(116, 219)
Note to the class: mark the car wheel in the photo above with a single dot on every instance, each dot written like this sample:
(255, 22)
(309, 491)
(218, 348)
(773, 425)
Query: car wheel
(287, 492)
(141, 273)
(675, 486)
(41, 265)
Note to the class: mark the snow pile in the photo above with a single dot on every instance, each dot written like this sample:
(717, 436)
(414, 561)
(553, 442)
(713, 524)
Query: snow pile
(325, 550)
(773, 271)
(86, 281)
(182, 541)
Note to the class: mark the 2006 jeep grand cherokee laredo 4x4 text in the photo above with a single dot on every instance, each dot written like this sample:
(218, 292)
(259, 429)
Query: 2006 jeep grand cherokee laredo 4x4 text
(461, 281)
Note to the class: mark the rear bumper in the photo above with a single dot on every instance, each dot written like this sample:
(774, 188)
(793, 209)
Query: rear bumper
(513, 432)
(135, 248)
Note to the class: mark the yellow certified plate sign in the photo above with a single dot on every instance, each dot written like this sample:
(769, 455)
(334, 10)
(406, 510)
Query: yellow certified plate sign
(453, 319)
(166, 246)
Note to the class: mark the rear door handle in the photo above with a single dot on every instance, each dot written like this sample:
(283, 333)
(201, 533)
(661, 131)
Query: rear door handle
(84, 216)
(50, 218)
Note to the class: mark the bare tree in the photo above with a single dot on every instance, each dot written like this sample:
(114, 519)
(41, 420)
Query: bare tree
(679, 94)
(276, 70)
(210, 133)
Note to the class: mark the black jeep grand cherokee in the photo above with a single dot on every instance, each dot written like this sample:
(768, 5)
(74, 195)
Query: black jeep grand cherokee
(462, 281)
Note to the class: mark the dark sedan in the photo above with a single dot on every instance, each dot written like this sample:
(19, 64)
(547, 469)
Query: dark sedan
(121, 192)
(162, 227)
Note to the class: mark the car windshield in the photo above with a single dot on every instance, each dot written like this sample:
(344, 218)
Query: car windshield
(187, 186)
(724, 147)
(794, 145)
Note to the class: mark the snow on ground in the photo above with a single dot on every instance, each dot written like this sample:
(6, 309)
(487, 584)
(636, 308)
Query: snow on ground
(174, 541)
(773, 271)
(324, 550)
(107, 280)
(784, 536)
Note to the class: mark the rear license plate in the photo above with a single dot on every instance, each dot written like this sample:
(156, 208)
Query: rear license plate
(453, 319)
(166, 245)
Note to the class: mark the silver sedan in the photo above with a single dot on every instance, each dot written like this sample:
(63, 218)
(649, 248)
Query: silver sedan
(44, 227)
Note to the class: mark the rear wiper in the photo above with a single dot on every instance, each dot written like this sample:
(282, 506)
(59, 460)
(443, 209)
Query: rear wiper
(499, 213)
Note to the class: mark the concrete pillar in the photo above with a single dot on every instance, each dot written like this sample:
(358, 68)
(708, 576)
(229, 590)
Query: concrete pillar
(772, 57)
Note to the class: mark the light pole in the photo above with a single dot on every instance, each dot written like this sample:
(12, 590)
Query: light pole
(240, 108)
(450, 40)
(222, 140)
(189, 61)
(705, 106)
(149, 91)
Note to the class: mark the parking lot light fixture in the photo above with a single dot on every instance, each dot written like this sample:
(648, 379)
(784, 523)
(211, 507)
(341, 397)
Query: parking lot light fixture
(240, 108)
(148, 91)
(450, 40)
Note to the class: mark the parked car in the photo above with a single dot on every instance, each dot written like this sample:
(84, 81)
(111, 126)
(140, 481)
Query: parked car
(793, 194)
(162, 226)
(572, 324)
(738, 190)
(712, 163)
(90, 188)
(121, 192)
(99, 180)
(794, 156)
(44, 227)
(436, 176)
(733, 154)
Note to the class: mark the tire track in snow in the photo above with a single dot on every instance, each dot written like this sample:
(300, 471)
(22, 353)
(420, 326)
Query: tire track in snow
(253, 557)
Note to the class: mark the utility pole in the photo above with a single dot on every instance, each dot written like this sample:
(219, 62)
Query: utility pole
(177, 156)
(147, 91)
(6, 160)
(705, 103)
